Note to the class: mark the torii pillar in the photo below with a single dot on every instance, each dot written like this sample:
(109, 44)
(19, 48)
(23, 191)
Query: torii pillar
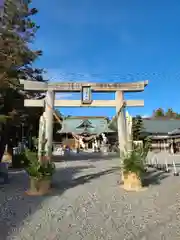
(49, 108)
(121, 122)
(119, 102)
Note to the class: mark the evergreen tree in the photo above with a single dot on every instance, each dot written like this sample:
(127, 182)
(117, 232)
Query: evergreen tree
(137, 126)
(159, 113)
(170, 113)
(17, 31)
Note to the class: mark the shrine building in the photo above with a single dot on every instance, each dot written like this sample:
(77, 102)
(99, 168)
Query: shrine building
(86, 127)
(161, 131)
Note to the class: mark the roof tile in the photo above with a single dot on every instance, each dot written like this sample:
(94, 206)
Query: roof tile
(100, 125)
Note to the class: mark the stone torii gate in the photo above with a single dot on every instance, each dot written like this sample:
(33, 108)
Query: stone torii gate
(86, 101)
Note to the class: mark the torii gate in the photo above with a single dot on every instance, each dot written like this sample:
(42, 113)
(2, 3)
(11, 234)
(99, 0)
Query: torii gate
(86, 101)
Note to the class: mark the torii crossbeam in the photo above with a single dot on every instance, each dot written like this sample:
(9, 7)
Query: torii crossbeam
(119, 102)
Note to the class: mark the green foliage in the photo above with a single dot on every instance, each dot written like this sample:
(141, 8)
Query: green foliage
(31, 156)
(16, 61)
(4, 118)
(135, 160)
(165, 114)
(159, 113)
(20, 160)
(170, 113)
(143, 150)
(47, 169)
(16, 57)
(39, 169)
(137, 126)
(17, 30)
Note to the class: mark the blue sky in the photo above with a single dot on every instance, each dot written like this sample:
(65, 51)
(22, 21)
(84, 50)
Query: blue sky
(113, 40)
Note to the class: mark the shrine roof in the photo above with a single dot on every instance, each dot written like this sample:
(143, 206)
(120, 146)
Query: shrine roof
(154, 126)
(78, 125)
(160, 126)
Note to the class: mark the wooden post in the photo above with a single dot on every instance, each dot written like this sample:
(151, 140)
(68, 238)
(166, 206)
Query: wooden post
(49, 122)
(121, 122)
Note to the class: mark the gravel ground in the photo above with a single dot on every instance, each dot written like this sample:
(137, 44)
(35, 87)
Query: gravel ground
(88, 203)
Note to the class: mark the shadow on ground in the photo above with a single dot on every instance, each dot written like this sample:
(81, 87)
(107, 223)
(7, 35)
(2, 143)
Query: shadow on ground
(70, 183)
(16, 206)
(154, 177)
(85, 156)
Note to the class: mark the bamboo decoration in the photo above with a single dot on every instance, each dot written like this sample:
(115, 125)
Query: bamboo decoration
(129, 131)
(41, 139)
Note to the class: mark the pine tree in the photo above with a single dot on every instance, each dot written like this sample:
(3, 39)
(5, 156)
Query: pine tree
(158, 113)
(170, 113)
(137, 126)
(17, 31)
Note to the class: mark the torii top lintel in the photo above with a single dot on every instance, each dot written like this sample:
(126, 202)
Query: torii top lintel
(77, 86)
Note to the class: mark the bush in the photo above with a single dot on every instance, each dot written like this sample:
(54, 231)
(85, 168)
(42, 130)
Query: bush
(133, 162)
(39, 169)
